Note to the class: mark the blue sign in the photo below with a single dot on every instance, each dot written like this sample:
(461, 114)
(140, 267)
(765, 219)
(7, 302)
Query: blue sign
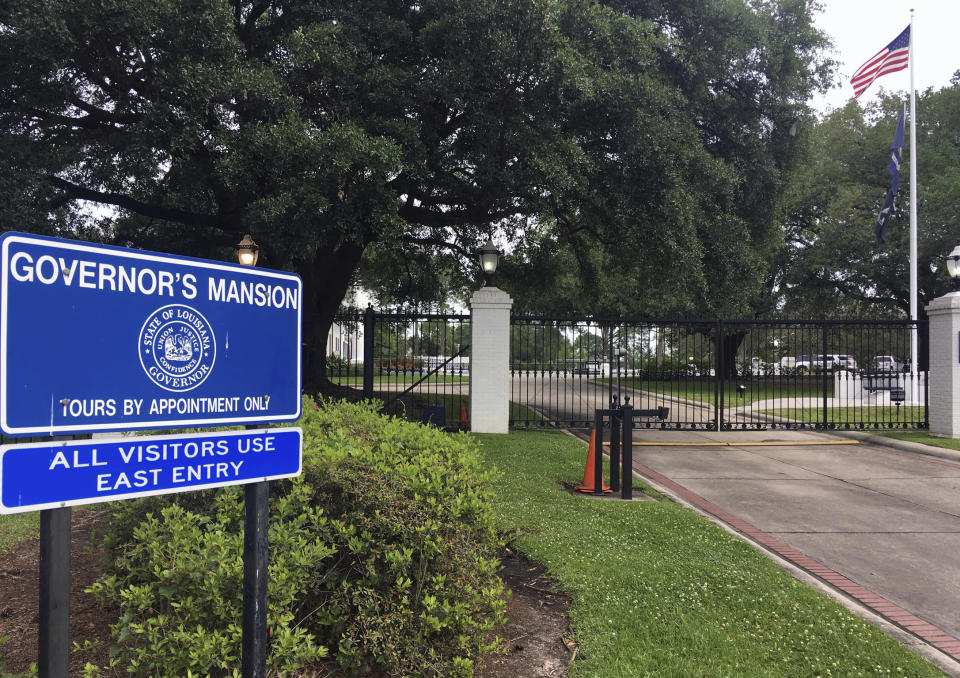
(96, 338)
(54, 474)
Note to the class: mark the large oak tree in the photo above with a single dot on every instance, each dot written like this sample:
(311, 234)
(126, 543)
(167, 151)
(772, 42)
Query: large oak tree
(382, 136)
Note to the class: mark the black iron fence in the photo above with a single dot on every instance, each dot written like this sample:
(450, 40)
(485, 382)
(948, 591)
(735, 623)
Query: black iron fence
(845, 374)
(559, 371)
(418, 364)
(707, 374)
(719, 375)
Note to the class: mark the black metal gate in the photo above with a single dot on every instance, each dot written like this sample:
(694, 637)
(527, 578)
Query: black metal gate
(708, 374)
(718, 374)
(416, 364)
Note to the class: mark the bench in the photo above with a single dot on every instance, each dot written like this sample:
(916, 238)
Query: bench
(881, 382)
(660, 413)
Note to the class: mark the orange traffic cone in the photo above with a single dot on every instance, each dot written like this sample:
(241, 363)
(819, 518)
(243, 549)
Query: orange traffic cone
(589, 485)
(463, 418)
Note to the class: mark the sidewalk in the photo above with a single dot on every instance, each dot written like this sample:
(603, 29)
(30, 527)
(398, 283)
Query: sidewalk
(869, 517)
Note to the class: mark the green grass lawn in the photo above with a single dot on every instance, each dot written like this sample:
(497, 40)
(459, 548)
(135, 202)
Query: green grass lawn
(413, 408)
(882, 416)
(922, 437)
(400, 379)
(757, 389)
(659, 591)
(16, 527)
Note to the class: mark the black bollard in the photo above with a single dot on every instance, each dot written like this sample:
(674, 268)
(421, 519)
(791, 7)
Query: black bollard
(626, 414)
(614, 452)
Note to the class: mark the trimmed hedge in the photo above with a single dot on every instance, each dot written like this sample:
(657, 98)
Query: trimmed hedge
(382, 559)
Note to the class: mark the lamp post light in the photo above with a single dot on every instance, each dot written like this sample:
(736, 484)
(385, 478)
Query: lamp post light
(253, 659)
(953, 266)
(489, 258)
(247, 251)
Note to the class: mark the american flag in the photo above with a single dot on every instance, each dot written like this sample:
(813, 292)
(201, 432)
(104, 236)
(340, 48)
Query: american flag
(890, 59)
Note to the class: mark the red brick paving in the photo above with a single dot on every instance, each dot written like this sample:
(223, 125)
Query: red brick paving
(895, 614)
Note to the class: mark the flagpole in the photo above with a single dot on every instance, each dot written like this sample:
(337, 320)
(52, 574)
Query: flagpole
(913, 210)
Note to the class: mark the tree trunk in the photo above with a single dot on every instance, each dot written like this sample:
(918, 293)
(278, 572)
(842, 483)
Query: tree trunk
(325, 282)
(729, 347)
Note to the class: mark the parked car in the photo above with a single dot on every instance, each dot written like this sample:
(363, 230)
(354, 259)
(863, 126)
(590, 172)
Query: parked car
(809, 363)
(590, 367)
(844, 362)
(887, 363)
(829, 362)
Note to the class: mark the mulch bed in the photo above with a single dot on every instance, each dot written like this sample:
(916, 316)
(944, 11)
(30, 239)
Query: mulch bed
(537, 638)
(20, 598)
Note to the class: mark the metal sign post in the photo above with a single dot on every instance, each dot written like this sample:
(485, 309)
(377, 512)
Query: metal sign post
(626, 416)
(615, 446)
(621, 444)
(598, 456)
(255, 575)
(54, 618)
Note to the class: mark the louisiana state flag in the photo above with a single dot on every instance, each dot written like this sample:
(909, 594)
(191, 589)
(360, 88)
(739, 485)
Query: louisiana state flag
(896, 155)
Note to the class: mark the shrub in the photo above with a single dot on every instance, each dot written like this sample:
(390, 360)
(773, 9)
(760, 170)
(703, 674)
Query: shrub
(382, 551)
(179, 583)
(409, 504)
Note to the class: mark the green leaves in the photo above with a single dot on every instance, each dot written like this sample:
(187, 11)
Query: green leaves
(833, 265)
(636, 151)
(673, 180)
(179, 584)
(383, 550)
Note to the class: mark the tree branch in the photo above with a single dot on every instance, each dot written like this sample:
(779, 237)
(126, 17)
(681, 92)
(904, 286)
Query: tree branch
(96, 113)
(457, 217)
(255, 13)
(87, 122)
(593, 232)
(75, 192)
(437, 242)
(244, 26)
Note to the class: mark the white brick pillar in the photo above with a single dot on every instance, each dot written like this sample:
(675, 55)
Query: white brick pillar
(944, 372)
(490, 360)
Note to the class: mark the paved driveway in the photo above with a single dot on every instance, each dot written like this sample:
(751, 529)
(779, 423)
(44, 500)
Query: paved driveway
(880, 524)
(574, 398)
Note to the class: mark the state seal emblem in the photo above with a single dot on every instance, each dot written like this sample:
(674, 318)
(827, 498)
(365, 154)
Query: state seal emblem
(177, 348)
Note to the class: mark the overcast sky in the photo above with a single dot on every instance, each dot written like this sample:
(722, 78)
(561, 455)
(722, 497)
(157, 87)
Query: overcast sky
(860, 28)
